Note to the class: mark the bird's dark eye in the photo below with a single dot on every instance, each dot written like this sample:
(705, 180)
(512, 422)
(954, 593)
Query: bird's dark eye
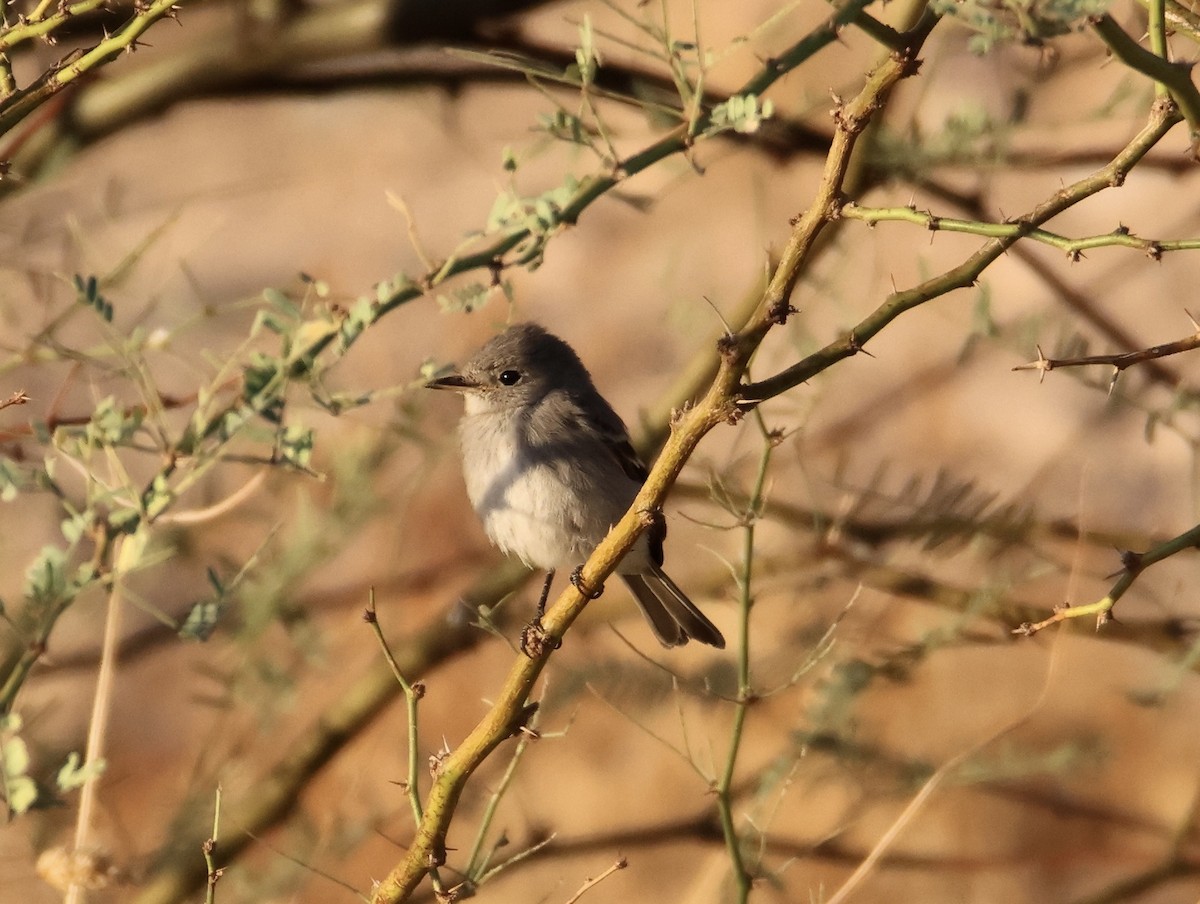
(510, 377)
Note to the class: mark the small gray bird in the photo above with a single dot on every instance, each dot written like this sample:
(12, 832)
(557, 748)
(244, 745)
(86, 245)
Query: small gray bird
(549, 468)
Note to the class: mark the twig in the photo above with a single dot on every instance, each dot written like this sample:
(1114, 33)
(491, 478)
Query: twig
(209, 847)
(17, 398)
(70, 69)
(1117, 362)
(127, 550)
(39, 26)
(746, 695)
(1120, 237)
(477, 871)
(1163, 117)
(589, 884)
(1175, 78)
(1133, 564)
(413, 692)
(217, 509)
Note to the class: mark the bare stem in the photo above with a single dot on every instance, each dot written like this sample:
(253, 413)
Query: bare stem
(746, 695)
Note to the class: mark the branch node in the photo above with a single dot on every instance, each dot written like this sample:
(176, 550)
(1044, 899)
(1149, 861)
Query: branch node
(855, 345)
(780, 311)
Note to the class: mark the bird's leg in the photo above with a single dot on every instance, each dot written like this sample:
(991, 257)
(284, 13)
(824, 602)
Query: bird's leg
(533, 636)
(541, 606)
(577, 583)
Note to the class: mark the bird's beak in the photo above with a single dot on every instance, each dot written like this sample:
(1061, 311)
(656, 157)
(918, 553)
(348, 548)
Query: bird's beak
(454, 382)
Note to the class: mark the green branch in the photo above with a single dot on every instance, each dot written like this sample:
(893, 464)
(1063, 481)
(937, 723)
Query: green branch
(1163, 117)
(1133, 564)
(23, 102)
(492, 257)
(1074, 247)
(1175, 78)
(746, 695)
(38, 27)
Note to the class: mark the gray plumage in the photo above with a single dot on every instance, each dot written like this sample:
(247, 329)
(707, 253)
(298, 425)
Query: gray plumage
(549, 468)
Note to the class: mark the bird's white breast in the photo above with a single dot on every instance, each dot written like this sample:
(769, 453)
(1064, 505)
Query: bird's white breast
(526, 509)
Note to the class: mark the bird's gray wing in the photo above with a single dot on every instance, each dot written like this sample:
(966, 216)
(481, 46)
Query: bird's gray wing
(606, 425)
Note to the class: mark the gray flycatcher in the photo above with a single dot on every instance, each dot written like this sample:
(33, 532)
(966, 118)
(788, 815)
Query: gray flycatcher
(549, 468)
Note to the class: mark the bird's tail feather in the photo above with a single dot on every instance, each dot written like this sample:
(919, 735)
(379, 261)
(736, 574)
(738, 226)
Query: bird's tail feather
(672, 616)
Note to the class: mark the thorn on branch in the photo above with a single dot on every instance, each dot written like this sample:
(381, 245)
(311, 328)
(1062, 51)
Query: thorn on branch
(520, 723)
(727, 346)
(678, 414)
(19, 397)
(910, 63)
(437, 761)
(780, 311)
(651, 518)
(855, 346)
(1130, 561)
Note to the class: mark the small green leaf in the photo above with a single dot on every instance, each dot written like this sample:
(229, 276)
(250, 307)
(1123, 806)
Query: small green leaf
(124, 520)
(16, 757)
(430, 369)
(158, 497)
(21, 793)
(465, 299)
(201, 620)
(73, 527)
(281, 303)
(46, 578)
(73, 775)
(12, 479)
(296, 445)
(111, 425)
(87, 292)
(20, 790)
(587, 57)
(741, 113)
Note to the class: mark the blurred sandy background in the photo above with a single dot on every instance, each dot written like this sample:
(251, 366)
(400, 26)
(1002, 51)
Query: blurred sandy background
(1095, 781)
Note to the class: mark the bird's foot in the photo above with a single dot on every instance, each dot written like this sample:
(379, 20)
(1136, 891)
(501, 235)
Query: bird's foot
(535, 642)
(588, 592)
